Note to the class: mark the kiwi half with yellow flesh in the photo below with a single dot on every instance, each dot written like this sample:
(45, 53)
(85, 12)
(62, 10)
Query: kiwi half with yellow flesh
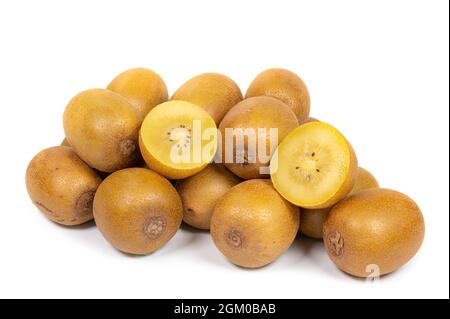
(143, 88)
(102, 128)
(252, 225)
(137, 210)
(373, 232)
(252, 116)
(215, 92)
(285, 86)
(178, 139)
(314, 166)
(313, 219)
(200, 193)
(62, 186)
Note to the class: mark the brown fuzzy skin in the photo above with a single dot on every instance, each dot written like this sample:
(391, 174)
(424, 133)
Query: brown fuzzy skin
(313, 219)
(373, 227)
(143, 88)
(257, 112)
(102, 127)
(285, 86)
(65, 142)
(215, 92)
(364, 180)
(62, 186)
(137, 210)
(201, 192)
(252, 225)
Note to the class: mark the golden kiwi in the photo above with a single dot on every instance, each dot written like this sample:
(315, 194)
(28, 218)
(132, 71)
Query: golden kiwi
(102, 128)
(308, 120)
(142, 87)
(285, 86)
(137, 210)
(313, 219)
(373, 232)
(252, 225)
(314, 166)
(257, 116)
(62, 186)
(201, 192)
(215, 92)
(178, 139)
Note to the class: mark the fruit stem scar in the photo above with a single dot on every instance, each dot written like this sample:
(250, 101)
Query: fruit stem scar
(155, 227)
(234, 238)
(127, 147)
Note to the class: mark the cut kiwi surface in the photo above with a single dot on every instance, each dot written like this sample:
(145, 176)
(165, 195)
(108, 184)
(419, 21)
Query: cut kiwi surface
(178, 139)
(314, 166)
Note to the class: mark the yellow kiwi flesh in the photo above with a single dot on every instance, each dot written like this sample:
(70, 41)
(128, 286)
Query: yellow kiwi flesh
(257, 113)
(62, 186)
(102, 128)
(252, 225)
(200, 193)
(285, 86)
(215, 92)
(313, 219)
(373, 232)
(178, 139)
(314, 166)
(143, 88)
(137, 210)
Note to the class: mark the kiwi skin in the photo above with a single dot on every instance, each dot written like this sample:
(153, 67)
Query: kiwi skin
(285, 86)
(201, 192)
(137, 210)
(62, 186)
(102, 128)
(143, 88)
(252, 225)
(257, 112)
(313, 219)
(379, 227)
(215, 92)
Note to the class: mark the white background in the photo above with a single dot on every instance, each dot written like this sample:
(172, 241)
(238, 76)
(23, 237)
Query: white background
(377, 70)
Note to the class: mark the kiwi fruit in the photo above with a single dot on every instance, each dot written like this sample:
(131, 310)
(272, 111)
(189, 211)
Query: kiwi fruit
(313, 219)
(143, 88)
(254, 114)
(285, 86)
(102, 128)
(314, 166)
(373, 232)
(215, 92)
(62, 186)
(364, 180)
(178, 139)
(252, 225)
(201, 192)
(137, 210)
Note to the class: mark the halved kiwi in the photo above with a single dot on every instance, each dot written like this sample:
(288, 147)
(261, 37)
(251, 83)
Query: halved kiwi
(178, 139)
(314, 166)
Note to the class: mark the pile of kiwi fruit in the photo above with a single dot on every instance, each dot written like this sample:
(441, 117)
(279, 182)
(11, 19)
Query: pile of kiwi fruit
(115, 165)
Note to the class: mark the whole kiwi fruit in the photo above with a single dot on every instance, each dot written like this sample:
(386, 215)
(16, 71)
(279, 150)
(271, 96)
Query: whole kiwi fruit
(102, 128)
(252, 225)
(137, 210)
(143, 88)
(285, 86)
(62, 186)
(259, 116)
(373, 232)
(215, 92)
(201, 192)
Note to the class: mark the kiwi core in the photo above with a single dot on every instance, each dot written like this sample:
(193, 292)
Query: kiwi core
(180, 135)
